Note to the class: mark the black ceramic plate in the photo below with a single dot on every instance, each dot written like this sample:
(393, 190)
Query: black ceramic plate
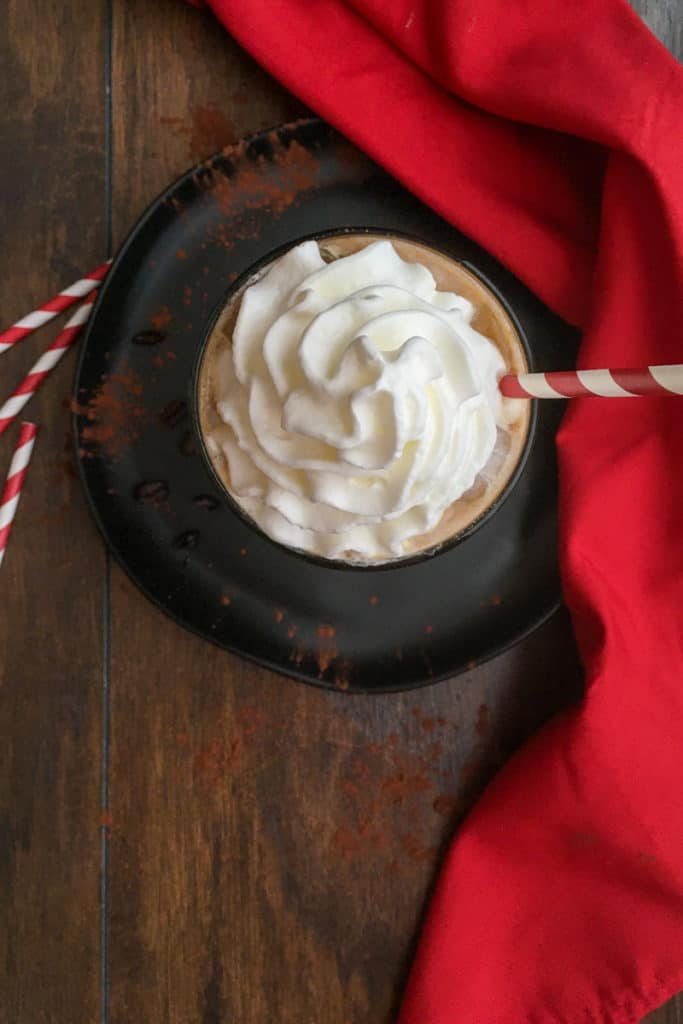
(156, 502)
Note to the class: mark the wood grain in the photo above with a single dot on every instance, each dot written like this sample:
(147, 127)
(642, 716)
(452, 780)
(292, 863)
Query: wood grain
(272, 845)
(52, 177)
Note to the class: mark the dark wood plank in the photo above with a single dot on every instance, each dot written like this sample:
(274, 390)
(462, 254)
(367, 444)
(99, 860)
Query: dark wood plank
(272, 846)
(51, 225)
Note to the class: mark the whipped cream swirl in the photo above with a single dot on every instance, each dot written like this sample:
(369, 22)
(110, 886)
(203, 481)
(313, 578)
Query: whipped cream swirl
(358, 402)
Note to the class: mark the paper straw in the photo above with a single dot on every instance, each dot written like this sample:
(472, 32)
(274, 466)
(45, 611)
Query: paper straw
(47, 362)
(15, 482)
(28, 324)
(652, 380)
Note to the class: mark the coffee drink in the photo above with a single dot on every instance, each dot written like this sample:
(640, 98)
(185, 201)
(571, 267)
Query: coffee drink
(348, 398)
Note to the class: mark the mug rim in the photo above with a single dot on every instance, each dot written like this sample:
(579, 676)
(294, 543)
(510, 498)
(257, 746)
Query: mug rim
(401, 562)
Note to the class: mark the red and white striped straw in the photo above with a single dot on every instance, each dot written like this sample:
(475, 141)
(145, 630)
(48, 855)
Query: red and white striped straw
(652, 380)
(42, 315)
(47, 362)
(15, 482)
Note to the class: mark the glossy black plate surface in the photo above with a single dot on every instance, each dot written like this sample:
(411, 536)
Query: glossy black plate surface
(156, 501)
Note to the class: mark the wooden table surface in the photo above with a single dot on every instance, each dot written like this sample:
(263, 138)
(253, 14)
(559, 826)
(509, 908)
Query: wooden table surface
(185, 837)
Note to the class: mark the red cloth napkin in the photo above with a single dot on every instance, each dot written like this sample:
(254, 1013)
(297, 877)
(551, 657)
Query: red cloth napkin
(552, 133)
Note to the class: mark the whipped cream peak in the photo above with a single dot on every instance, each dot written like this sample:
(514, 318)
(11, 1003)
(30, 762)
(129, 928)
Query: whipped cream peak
(357, 402)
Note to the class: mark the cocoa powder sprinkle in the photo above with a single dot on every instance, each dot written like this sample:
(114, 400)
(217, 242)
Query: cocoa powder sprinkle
(114, 414)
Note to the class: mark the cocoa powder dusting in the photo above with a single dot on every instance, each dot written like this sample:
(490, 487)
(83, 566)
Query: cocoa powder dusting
(226, 751)
(163, 360)
(114, 414)
(399, 787)
(272, 183)
(327, 650)
(418, 851)
(250, 719)
(384, 787)
(343, 672)
(211, 131)
(347, 843)
(161, 319)
(207, 131)
(218, 758)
